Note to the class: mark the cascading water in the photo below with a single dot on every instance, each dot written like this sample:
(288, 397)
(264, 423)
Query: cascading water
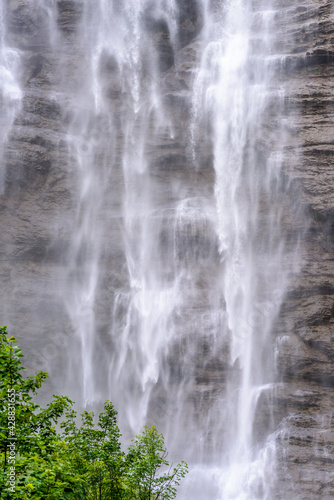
(10, 92)
(232, 92)
(163, 234)
(175, 268)
(96, 134)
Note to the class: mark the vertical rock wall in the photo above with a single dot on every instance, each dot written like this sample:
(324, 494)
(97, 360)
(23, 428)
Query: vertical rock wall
(306, 325)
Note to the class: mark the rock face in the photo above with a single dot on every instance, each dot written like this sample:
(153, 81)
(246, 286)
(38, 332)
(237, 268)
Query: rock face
(307, 317)
(41, 196)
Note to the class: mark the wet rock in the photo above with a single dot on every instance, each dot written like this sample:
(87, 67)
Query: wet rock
(190, 20)
(27, 27)
(69, 15)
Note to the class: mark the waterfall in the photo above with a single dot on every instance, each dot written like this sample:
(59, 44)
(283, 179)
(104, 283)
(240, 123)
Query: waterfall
(171, 258)
(233, 89)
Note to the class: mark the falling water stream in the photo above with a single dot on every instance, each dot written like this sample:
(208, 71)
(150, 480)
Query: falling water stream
(10, 92)
(172, 290)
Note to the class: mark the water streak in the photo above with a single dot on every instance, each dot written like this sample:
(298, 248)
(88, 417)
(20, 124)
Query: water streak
(10, 92)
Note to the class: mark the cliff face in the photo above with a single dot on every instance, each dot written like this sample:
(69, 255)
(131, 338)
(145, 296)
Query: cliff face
(41, 198)
(307, 317)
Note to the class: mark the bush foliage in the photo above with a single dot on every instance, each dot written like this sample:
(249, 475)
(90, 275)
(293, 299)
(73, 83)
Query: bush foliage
(83, 462)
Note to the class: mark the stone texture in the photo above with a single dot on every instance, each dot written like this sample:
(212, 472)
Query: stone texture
(306, 325)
